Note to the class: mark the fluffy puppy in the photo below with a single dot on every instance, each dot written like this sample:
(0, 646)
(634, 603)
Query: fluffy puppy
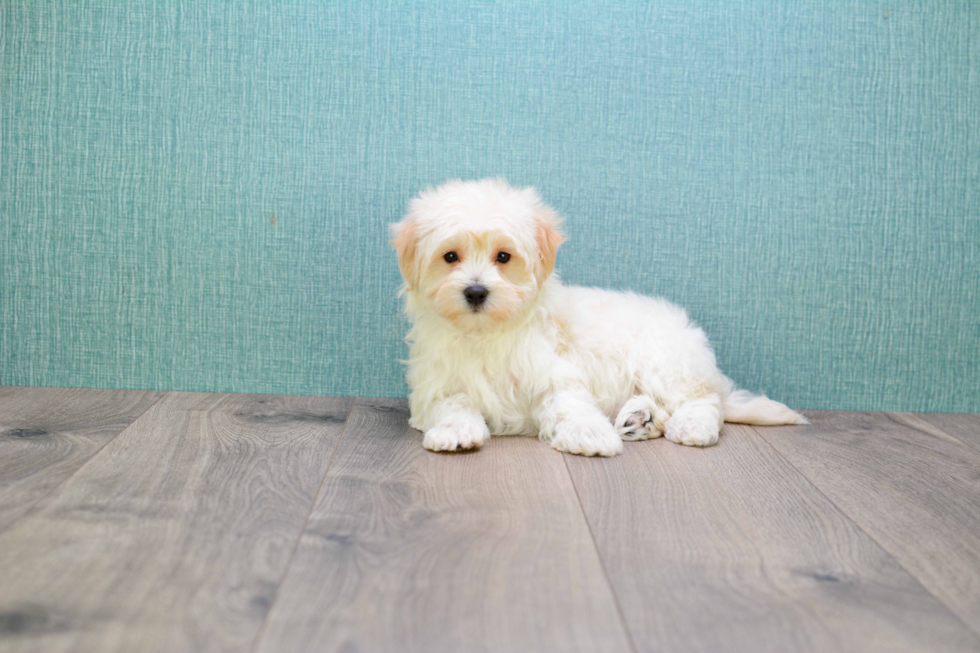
(499, 346)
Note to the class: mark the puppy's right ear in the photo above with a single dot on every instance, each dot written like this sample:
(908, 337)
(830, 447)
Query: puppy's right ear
(405, 241)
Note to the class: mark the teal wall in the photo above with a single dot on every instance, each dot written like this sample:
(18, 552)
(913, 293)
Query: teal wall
(194, 195)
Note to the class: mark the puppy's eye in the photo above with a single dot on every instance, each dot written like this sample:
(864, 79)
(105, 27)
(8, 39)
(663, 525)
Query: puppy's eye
(451, 257)
(503, 257)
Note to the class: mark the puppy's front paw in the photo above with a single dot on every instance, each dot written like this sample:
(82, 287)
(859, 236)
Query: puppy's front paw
(587, 437)
(453, 434)
(641, 419)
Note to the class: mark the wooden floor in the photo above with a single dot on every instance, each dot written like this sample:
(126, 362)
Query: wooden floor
(145, 521)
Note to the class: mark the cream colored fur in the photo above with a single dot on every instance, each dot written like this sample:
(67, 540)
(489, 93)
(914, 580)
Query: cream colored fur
(581, 368)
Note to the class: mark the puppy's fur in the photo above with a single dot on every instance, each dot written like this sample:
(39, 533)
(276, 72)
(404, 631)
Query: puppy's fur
(580, 368)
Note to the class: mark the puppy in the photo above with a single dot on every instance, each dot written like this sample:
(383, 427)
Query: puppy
(499, 346)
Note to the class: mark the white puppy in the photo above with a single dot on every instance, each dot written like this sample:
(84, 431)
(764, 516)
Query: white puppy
(500, 346)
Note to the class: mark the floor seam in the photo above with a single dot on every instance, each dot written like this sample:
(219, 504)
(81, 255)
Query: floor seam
(316, 497)
(602, 563)
(95, 453)
(861, 528)
(891, 416)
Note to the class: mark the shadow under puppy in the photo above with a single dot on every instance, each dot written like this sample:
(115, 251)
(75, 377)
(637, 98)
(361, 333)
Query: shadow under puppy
(499, 346)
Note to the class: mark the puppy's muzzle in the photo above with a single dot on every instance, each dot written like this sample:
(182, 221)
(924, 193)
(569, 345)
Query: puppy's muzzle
(475, 295)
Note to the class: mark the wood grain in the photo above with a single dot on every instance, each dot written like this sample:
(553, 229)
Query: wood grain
(916, 491)
(175, 536)
(961, 426)
(730, 549)
(408, 550)
(46, 434)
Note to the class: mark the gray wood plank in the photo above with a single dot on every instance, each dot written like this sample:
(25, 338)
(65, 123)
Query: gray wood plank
(408, 550)
(915, 491)
(46, 434)
(962, 426)
(731, 549)
(175, 536)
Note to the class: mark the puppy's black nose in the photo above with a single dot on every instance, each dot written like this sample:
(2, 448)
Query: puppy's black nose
(476, 295)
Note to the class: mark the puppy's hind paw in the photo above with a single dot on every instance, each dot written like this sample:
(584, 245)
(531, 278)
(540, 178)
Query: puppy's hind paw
(590, 437)
(696, 423)
(641, 419)
(693, 430)
(455, 435)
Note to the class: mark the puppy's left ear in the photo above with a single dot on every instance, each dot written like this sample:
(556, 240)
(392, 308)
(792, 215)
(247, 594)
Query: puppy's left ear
(405, 240)
(549, 237)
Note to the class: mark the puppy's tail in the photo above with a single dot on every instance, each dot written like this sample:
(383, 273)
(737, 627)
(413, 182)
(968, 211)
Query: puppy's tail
(743, 407)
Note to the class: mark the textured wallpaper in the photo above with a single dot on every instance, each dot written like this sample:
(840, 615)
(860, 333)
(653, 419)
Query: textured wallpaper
(193, 195)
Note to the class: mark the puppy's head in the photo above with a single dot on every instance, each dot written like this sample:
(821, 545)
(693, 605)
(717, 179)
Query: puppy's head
(476, 252)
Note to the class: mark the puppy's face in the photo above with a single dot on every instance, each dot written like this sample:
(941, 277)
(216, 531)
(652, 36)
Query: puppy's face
(476, 253)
